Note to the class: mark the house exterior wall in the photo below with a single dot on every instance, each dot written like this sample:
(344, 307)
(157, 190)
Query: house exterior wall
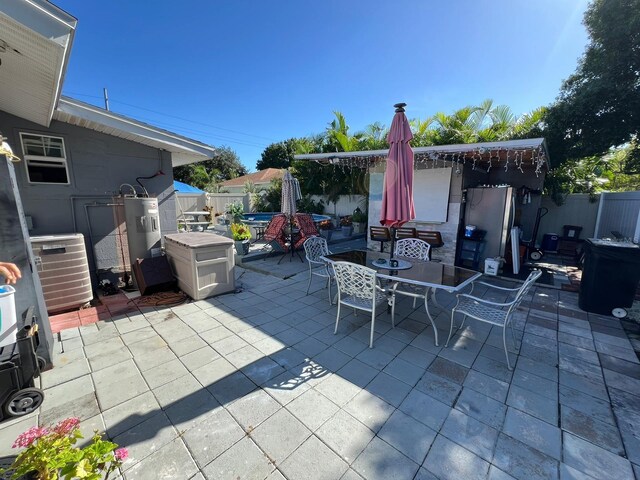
(448, 230)
(464, 177)
(98, 164)
(240, 188)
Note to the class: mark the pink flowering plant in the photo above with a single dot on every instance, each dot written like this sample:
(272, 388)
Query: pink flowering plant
(50, 454)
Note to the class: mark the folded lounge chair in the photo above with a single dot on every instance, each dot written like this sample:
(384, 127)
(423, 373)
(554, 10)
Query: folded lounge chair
(275, 232)
(307, 228)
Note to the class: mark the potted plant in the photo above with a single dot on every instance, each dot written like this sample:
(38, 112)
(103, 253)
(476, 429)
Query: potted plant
(241, 235)
(235, 212)
(326, 228)
(346, 224)
(50, 453)
(359, 220)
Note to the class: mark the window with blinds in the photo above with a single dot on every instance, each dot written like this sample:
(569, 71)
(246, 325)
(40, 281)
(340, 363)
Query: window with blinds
(45, 159)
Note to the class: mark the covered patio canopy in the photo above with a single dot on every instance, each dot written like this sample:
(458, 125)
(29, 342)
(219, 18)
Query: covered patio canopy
(530, 154)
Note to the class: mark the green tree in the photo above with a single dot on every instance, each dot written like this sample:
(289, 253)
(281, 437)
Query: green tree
(530, 125)
(338, 137)
(423, 132)
(223, 166)
(599, 105)
(277, 155)
(255, 196)
(273, 198)
(374, 137)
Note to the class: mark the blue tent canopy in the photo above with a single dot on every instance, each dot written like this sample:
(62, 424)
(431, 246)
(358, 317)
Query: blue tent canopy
(185, 188)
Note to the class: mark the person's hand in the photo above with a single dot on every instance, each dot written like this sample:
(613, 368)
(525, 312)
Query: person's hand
(10, 272)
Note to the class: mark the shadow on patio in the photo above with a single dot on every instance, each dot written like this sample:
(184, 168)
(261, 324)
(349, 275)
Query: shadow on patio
(256, 385)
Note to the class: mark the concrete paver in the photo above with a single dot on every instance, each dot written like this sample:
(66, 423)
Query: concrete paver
(255, 384)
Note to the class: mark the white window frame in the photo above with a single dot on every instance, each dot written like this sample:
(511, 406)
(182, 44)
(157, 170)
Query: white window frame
(39, 158)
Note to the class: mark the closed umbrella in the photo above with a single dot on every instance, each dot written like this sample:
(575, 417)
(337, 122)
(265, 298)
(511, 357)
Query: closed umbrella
(397, 192)
(290, 194)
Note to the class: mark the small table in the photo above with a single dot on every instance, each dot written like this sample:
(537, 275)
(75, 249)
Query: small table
(192, 219)
(259, 226)
(430, 275)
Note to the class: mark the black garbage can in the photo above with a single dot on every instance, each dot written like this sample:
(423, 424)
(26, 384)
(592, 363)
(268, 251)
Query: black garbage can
(609, 277)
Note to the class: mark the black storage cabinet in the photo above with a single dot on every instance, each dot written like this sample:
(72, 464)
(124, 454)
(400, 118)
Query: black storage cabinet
(610, 275)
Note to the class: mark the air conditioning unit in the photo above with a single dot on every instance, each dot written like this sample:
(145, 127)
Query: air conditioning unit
(64, 270)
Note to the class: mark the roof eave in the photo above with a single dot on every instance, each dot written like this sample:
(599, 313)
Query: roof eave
(40, 37)
(461, 149)
(183, 150)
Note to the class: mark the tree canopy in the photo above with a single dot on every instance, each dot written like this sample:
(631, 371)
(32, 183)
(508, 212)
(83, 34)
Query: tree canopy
(277, 155)
(599, 105)
(207, 174)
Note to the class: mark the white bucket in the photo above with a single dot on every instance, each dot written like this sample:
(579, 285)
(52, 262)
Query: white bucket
(491, 266)
(8, 327)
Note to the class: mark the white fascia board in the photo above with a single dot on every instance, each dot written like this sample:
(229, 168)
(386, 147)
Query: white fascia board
(185, 150)
(461, 148)
(51, 23)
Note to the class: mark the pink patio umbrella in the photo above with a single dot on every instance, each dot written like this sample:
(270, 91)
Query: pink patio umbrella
(397, 193)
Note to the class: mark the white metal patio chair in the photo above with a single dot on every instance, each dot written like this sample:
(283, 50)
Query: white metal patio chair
(412, 248)
(417, 249)
(495, 313)
(358, 288)
(314, 249)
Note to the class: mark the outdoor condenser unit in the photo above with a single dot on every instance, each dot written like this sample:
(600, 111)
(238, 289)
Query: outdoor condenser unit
(63, 269)
(142, 219)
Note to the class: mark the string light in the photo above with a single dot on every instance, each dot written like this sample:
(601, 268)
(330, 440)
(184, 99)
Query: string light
(434, 159)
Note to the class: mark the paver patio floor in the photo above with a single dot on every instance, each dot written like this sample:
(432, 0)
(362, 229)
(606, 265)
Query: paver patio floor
(255, 385)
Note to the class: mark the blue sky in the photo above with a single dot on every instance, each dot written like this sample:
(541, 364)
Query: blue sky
(246, 73)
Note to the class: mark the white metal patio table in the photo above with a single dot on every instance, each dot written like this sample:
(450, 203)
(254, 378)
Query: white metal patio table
(429, 275)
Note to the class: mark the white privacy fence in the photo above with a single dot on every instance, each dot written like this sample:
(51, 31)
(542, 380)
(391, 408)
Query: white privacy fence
(190, 202)
(620, 213)
(611, 212)
(577, 210)
(345, 205)
(219, 201)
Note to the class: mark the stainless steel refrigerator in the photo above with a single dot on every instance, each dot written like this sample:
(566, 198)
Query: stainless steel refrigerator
(491, 209)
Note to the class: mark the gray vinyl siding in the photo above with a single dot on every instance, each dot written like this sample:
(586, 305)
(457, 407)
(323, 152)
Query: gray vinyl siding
(98, 165)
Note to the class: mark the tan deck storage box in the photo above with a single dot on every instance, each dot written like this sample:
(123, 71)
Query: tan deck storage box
(202, 262)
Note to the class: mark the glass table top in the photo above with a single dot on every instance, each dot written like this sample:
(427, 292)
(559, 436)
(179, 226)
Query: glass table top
(424, 273)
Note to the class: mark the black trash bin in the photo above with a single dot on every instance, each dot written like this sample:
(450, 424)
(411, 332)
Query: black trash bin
(609, 277)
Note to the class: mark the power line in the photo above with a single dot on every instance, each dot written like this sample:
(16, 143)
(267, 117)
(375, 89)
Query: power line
(178, 118)
(186, 130)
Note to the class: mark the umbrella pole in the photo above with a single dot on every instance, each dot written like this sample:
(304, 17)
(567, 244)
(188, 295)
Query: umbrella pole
(393, 241)
(291, 251)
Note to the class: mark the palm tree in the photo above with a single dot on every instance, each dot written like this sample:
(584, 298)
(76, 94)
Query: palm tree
(374, 137)
(255, 195)
(423, 134)
(458, 127)
(530, 124)
(338, 137)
